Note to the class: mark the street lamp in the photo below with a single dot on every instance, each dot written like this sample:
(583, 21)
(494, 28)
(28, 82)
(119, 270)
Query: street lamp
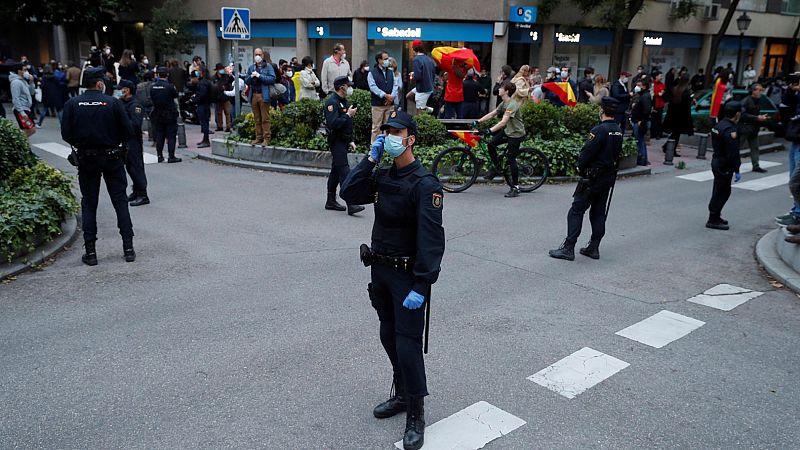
(743, 23)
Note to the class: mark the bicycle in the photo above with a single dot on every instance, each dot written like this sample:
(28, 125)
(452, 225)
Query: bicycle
(458, 167)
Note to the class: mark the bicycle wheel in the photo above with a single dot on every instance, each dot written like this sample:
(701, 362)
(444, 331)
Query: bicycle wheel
(533, 169)
(456, 167)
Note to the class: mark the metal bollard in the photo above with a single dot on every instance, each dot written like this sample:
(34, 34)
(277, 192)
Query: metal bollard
(702, 146)
(181, 135)
(669, 151)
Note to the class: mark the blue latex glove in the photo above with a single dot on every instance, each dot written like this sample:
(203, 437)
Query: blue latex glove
(474, 124)
(414, 300)
(376, 151)
(737, 177)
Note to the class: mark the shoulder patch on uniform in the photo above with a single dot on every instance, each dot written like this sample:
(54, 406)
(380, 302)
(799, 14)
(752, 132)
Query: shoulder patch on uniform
(393, 115)
(437, 200)
(330, 108)
(137, 109)
(733, 134)
(591, 136)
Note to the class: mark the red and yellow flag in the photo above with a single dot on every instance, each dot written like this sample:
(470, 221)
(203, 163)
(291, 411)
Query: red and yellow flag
(564, 92)
(717, 96)
(468, 137)
(445, 57)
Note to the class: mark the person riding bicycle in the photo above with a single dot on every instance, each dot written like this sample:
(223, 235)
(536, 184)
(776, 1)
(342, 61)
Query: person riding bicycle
(510, 129)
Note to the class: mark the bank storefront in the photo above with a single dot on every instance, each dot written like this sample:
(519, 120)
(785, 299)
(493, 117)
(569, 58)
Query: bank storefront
(579, 48)
(663, 51)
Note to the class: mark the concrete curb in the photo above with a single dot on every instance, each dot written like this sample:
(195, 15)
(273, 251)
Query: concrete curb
(69, 232)
(297, 170)
(767, 255)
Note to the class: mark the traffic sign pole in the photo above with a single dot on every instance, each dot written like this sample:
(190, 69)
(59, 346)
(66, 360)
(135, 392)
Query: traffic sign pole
(235, 26)
(237, 98)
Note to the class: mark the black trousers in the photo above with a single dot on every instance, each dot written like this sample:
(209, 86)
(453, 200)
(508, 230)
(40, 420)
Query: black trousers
(110, 168)
(165, 130)
(594, 199)
(340, 167)
(512, 151)
(655, 123)
(400, 328)
(622, 120)
(720, 193)
(204, 116)
(134, 164)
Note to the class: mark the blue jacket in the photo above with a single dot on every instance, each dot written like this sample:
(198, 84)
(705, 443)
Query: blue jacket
(424, 73)
(261, 83)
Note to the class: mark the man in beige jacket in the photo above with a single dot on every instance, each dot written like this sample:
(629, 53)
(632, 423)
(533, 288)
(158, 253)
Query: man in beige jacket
(334, 67)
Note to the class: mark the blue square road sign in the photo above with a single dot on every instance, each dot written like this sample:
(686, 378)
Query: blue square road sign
(235, 23)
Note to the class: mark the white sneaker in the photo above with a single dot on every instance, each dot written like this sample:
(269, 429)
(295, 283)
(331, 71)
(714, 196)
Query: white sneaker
(38, 126)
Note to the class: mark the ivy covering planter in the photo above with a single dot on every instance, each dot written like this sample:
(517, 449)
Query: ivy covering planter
(34, 197)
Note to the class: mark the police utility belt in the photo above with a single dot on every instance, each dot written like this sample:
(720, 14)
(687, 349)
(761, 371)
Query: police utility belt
(76, 154)
(369, 257)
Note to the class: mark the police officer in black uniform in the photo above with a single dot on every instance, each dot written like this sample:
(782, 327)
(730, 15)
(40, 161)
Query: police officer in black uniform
(597, 166)
(407, 248)
(97, 125)
(134, 159)
(725, 163)
(164, 119)
(339, 123)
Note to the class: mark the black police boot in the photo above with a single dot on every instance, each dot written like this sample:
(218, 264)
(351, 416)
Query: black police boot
(396, 404)
(133, 196)
(353, 209)
(173, 159)
(160, 157)
(141, 199)
(566, 251)
(90, 257)
(332, 204)
(716, 223)
(127, 248)
(414, 436)
(592, 249)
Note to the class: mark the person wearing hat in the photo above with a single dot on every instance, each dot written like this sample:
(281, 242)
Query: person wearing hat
(407, 248)
(620, 92)
(725, 163)
(96, 125)
(164, 118)
(134, 158)
(339, 124)
(597, 166)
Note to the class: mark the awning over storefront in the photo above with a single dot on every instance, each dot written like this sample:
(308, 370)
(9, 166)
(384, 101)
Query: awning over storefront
(430, 31)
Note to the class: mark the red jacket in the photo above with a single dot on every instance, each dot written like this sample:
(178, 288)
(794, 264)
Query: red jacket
(658, 88)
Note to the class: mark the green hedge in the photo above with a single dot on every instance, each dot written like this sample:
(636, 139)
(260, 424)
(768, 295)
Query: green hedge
(15, 151)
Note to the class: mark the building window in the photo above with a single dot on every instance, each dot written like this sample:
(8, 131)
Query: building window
(790, 7)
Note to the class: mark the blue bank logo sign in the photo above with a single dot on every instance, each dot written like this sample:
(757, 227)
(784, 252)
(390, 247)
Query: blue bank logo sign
(522, 14)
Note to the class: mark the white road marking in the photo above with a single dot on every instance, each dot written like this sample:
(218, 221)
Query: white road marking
(745, 168)
(471, 428)
(661, 328)
(760, 184)
(578, 372)
(64, 151)
(725, 297)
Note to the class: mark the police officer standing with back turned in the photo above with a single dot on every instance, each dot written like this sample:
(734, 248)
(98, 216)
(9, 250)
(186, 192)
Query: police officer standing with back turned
(164, 119)
(597, 166)
(406, 254)
(725, 163)
(96, 125)
(134, 159)
(339, 123)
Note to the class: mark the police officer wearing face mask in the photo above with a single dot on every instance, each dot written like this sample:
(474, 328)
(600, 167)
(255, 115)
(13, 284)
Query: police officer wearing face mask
(134, 159)
(406, 254)
(597, 165)
(339, 123)
(96, 125)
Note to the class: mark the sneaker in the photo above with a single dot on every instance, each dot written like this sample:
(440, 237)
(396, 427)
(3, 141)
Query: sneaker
(717, 225)
(758, 169)
(785, 221)
(513, 192)
(784, 217)
(38, 125)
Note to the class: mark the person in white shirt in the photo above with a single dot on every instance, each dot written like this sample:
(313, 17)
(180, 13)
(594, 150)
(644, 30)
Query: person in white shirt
(308, 80)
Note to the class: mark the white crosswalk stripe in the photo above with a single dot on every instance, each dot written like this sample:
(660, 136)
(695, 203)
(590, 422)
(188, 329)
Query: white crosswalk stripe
(661, 328)
(760, 184)
(578, 372)
(745, 168)
(725, 297)
(63, 151)
(469, 429)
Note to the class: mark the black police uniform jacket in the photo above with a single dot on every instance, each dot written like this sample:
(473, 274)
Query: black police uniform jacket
(725, 141)
(95, 121)
(135, 112)
(600, 154)
(408, 214)
(163, 95)
(337, 122)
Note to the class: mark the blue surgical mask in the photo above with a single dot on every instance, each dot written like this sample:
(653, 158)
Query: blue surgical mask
(385, 63)
(394, 145)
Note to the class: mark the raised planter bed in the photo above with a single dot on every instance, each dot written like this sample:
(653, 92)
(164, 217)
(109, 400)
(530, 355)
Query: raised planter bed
(281, 156)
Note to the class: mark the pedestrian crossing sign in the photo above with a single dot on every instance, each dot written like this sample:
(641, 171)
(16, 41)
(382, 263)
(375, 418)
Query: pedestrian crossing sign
(235, 23)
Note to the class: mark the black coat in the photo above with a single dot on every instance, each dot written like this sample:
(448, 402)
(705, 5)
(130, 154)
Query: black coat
(640, 112)
(749, 125)
(620, 92)
(679, 114)
(54, 93)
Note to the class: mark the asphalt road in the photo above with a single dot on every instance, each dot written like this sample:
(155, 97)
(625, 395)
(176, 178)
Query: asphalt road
(244, 322)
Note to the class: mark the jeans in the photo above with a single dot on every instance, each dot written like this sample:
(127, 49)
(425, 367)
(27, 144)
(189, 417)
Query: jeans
(204, 116)
(638, 132)
(794, 159)
(452, 110)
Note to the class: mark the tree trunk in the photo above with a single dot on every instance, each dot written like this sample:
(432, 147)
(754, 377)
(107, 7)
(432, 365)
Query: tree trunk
(716, 40)
(617, 50)
(789, 62)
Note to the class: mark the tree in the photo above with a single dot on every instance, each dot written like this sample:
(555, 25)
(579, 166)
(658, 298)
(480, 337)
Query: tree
(617, 15)
(789, 62)
(717, 39)
(170, 30)
(80, 12)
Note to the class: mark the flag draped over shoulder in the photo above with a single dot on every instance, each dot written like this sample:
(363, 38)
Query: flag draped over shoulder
(445, 56)
(716, 97)
(564, 92)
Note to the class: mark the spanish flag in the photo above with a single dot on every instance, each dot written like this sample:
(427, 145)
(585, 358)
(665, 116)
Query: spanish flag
(564, 92)
(468, 137)
(717, 96)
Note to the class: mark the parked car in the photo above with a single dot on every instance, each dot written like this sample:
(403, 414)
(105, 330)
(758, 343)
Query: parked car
(702, 106)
